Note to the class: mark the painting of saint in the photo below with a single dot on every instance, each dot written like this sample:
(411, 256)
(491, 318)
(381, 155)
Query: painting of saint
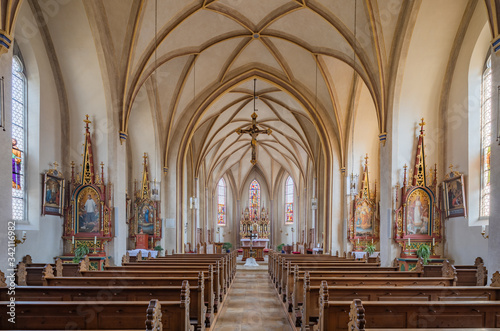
(52, 193)
(146, 219)
(418, 213)
(88, 211)
(16, 165)
(454, 197)
(364, 219)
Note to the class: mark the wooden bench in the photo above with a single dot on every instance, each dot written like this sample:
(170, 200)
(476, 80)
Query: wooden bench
(467, 275)
(342, 315)
(354, 271)
(202, 315)
(312, 294)
(103, 315)
(362, 281)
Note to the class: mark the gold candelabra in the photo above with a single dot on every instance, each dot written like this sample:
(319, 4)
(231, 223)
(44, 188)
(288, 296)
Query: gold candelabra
(19, 241)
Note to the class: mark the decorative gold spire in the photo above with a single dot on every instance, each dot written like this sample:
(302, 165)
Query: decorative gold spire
(419, 175)
(145, 191)
(365, 184)
(88, 161)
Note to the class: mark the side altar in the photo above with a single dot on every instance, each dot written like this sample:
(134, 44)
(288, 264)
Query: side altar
(88, 217)
(145, 222)
(364, 224)
(418, 215)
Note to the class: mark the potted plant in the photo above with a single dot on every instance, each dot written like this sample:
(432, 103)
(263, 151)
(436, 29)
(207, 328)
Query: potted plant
(80, 253)
(279, 248)
(158, 248)
(227, 246)
(370, 249)
(424, 251)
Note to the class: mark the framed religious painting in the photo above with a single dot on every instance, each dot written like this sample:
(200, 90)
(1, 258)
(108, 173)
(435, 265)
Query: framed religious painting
(419, 213)
(53, 193)
(454, 196)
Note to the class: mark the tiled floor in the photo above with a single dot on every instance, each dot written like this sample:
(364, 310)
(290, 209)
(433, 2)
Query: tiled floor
(252, 304)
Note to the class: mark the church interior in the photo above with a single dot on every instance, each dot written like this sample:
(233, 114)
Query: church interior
(337, 131)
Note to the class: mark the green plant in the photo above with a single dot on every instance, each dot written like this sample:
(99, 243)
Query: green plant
(424, 251)
(80, 253)
(279, 248)
(158, 248)
(370, 248)
(227, 246)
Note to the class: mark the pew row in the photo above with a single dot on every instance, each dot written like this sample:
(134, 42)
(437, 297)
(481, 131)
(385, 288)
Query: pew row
(342, 315)
(201, 316)
(99, 315)
(310, 307)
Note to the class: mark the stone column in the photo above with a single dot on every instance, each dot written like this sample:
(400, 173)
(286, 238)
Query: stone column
(120, 187)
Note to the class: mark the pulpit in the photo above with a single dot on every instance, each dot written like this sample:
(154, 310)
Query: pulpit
(141, 241)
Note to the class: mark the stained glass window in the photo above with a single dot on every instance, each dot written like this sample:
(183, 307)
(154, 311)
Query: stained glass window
(485, 138)
(289, 200)
(254, 199)
(221, 202)
(18, 140)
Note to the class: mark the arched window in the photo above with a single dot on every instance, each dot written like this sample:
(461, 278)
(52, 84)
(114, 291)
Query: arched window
(221, 202)
(18, 140)
(485, 139)
(289, 200)
(254, 199)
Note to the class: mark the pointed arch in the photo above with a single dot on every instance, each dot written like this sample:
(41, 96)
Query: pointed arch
(289, 198)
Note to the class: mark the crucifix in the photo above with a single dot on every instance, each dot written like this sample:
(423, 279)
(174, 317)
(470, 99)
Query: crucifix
(253, 130)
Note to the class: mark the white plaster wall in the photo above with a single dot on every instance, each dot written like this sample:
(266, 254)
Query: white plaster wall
(462, 140)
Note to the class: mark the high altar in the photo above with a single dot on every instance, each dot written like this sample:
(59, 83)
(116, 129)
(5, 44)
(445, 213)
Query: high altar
(145, 222)
(254, 233)
(88, 217)
(364, 224)
(418, 217)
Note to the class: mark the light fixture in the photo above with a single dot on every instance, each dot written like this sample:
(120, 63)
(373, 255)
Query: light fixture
(19, 241)
(253, 130)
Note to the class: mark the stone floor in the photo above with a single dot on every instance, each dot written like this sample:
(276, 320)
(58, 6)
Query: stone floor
(252, 304)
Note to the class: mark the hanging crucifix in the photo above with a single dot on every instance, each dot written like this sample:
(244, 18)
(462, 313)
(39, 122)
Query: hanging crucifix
(253, 130)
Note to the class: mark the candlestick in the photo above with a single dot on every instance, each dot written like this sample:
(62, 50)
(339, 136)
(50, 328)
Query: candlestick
(73, 240)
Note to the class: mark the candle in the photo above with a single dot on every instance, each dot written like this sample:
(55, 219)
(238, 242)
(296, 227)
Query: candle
(358, 240)
(372, 241)
(433, 241)
(24, 234)
(408, 241)
(95, 240)
(73, 240)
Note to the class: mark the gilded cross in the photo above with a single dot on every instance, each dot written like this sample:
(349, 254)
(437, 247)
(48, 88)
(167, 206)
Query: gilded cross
(422, 123)
(87, 121)
(55, 165)
(253, 131)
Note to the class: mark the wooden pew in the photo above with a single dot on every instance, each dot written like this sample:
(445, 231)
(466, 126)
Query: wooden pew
(31, 273)
(310, 307)
(300, 284)
(467, 275)
(355, 315)
(197, 298)
(102, 315)
(334, 271)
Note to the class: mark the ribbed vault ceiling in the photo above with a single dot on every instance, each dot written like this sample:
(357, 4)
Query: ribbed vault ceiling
(302, 53)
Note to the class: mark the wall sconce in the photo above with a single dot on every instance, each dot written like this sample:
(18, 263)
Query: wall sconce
(483, 232)
(19, 241)
(292, 230)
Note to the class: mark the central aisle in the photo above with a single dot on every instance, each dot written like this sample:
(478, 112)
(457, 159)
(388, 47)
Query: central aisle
(252, 304)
